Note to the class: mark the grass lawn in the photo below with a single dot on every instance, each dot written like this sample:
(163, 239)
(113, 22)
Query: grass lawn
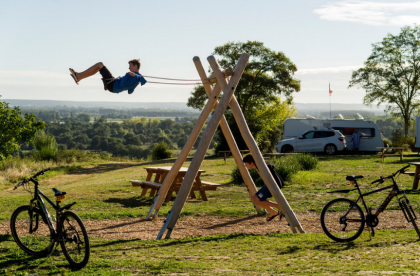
(102, 191)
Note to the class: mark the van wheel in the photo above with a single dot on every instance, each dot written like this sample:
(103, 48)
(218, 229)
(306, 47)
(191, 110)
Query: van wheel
(287, 149)
(330, 149)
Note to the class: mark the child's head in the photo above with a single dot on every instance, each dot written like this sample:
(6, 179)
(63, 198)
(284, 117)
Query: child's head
(134, 65)
(249, 162)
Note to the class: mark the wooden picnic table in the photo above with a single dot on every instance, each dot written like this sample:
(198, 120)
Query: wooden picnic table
(272, 155)
(416, 174)
(384, 150)
(159, 175)
(227, 152)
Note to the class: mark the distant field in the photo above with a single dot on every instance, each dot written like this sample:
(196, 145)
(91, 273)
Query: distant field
(121, 120)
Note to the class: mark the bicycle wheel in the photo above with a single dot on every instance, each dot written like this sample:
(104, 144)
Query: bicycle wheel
(74, 240)
(342, 220)
(408, 212)
(38, 242)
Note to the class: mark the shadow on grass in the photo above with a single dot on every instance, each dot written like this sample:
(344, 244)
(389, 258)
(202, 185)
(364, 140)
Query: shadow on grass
(102, 168)
(335, 247)
(172, 242)
(132, 202)
(231, 222)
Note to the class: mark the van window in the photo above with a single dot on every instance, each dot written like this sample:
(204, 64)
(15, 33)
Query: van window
(367, 132)
(364, 132)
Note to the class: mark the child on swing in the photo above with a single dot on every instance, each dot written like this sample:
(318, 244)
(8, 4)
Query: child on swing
(260, 197)
(115, 85)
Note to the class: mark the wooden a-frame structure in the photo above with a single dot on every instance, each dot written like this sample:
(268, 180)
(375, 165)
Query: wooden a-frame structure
(228, 98)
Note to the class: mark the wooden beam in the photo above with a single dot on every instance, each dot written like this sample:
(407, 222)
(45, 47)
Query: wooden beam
(252, 145)
(199, 155)
(160, 197)
(252, 189)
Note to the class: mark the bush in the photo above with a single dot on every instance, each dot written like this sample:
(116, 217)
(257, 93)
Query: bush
(387, 142)
(285, 166)
(45, 146)
(307, 161)
(161, 151)
(237, 177)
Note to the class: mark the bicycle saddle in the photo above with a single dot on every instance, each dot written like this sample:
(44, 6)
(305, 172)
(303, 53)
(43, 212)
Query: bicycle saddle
(58, 193)
(353, 177)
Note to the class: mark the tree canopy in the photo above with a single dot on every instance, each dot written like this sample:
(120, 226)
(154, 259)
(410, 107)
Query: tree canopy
(267, 75)
(391, 74)
(16, 129)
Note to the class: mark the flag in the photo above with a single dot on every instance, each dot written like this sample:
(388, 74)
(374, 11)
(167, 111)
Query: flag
(329, 88)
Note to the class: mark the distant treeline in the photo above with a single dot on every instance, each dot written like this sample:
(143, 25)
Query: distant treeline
(105, 113)
(133, 137)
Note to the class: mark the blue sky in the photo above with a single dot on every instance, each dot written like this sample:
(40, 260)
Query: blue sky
(40, 40)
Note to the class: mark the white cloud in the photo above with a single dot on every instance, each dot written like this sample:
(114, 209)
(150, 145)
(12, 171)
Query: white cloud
(314, 71)
(371, 13)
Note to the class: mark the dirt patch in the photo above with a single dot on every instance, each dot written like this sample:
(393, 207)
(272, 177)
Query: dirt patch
(139, 228)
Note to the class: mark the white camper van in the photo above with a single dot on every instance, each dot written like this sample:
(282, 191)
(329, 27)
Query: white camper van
(370, 137)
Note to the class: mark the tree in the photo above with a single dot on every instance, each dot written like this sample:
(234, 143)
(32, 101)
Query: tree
(16, 129)
(268, 75)
(84, 117)
(391, 74)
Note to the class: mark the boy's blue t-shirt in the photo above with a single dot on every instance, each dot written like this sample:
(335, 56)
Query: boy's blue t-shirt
(128, 83)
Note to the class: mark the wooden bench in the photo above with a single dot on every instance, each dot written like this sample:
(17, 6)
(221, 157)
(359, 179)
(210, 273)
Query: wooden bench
(209, 185)
(153, 186)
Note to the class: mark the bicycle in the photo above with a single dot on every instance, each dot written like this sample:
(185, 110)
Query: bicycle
(34, 232)
(343, 220)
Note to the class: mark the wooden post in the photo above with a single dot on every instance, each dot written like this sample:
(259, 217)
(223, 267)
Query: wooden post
(160, 197)
(157, 203)
(199, 155)
(252, 189)
(252, 145)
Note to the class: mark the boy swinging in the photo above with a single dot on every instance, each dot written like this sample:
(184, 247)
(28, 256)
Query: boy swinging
(115, 85)
(260, 197)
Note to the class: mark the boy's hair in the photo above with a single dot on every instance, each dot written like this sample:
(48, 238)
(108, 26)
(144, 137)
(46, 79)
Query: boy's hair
(135, 62)
(248, 159)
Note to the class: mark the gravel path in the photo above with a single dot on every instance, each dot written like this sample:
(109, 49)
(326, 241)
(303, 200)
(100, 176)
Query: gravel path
(139, 228)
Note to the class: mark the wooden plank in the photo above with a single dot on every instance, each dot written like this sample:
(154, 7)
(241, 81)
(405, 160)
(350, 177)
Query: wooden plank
(204, 144)
(252, 146)
(233, 147)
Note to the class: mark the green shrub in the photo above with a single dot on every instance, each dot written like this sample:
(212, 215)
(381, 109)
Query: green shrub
(387, 142)
(237, 177)
(307, 161)
(285, 166)
(161, 151)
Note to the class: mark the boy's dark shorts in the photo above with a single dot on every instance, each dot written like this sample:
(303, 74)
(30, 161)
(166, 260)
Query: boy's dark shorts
(107, 78)
(263, 193)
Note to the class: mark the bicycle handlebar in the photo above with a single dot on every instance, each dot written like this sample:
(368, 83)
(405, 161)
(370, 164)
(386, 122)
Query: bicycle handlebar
(382, 179)
(26, 180)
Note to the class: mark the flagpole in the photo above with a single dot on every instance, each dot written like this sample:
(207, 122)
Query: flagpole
(329, 89)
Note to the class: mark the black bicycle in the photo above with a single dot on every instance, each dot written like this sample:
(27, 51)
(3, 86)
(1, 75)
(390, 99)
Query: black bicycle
(343, 220)
(36, 233)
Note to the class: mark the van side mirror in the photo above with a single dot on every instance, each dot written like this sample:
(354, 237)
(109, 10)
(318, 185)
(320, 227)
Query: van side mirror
(300, 137)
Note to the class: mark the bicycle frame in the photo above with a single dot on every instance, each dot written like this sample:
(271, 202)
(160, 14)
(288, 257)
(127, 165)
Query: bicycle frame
(394, 192)
(38, 195)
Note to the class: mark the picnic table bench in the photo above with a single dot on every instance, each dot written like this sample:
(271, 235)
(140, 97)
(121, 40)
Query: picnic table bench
(384, 151)
(416, 174)
(160, 174)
